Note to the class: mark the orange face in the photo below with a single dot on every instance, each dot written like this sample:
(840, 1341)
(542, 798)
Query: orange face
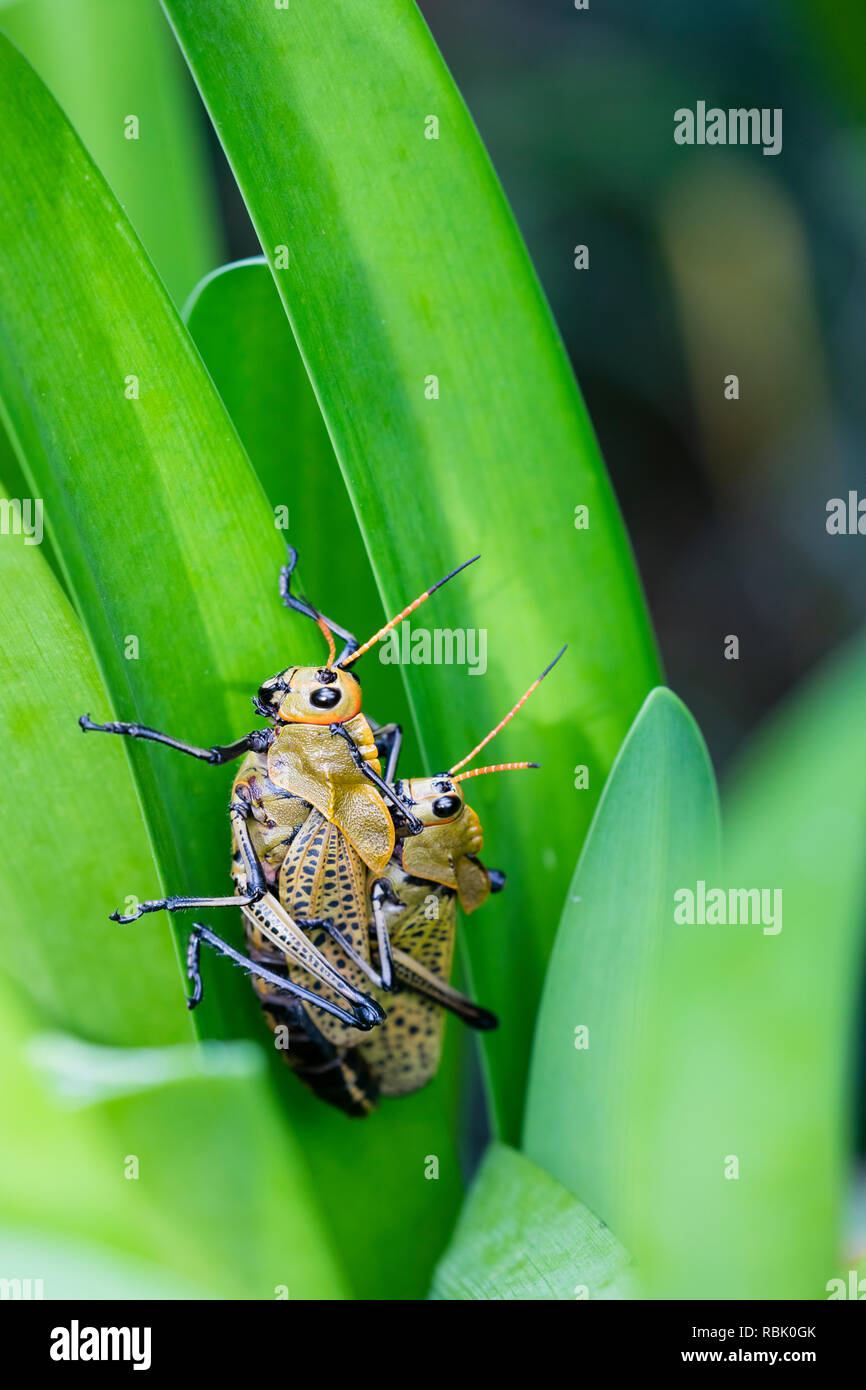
(434, 800)
(310, 695)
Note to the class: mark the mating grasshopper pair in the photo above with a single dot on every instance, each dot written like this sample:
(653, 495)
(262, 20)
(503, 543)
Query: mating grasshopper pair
(347, 879)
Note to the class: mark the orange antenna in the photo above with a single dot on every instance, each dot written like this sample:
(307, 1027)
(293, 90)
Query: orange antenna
(510, 715)
(329, 638)
(347, 661)
(494, 767)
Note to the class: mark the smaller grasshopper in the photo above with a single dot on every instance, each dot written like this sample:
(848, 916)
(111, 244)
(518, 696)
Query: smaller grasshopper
(429, 874)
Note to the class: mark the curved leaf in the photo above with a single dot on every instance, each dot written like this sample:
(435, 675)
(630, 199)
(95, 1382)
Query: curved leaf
(523, 1236)
(795, 821)
(165, 537)
(179, 1170)
(404, 265)
(63, 872)
(106, 60)
(240, 328)
(655, 823)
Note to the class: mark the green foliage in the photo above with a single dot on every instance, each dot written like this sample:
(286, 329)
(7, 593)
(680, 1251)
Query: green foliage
(654, 832)
(523, 1236)
(240, 328)
(107, 60)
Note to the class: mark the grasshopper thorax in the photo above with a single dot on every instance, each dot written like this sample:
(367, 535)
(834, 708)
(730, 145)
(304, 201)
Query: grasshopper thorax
(310, 695)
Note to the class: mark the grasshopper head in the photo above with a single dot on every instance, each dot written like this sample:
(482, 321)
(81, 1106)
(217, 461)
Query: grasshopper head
(445, 850)
(434, 800)
(310, 695)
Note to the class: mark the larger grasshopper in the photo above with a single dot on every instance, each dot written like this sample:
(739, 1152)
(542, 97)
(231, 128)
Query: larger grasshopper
(309, 816)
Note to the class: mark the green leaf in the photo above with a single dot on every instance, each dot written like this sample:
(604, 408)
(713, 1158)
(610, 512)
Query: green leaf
(523, 1236)
(63, 1176)
(62, 871)
(239, 326)
(179, 1171)
(105, 60)
(165, 536)
(752, 1036)
(655, 823)
(405, 264)
(75, 1269)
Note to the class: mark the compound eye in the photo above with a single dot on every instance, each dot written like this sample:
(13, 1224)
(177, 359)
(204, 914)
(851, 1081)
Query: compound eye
(446, 806)
(326, 697)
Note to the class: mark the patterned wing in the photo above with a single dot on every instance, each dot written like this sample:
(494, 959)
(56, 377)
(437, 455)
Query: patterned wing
(322, 876)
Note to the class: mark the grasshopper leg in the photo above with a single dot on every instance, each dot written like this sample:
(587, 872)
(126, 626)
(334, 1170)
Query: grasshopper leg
(411, 975)
(256, 892)
(301, 605)
(256, 884)
(384, 977)
(361, 1017)
(415, 825)
(257, 741)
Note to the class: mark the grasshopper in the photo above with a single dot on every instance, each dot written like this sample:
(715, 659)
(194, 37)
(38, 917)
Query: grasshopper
(429, 874)
(309, 816)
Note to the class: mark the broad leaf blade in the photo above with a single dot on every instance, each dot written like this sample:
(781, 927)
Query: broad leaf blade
(404, 265)
(166, 540)
(173, 1161)
(240, 328)
(655, 823)
(106, 60)
(523, 1236)
(778, 1008)
(63, 873)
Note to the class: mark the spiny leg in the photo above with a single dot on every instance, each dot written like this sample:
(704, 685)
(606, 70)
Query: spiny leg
(430, 986)
(272, 920)
(383, 980)
(415, 826)
(256, 885)
(275, 924)
(199, 933)
(301, 605)
(382, 891)
(257, 741)
(389, 741)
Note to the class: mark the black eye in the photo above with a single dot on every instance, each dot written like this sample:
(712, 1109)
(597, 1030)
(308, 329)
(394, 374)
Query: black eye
(446, 805)
(325, 697)
(325, 676)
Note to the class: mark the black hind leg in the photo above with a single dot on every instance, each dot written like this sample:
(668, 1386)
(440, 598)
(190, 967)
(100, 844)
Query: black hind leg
(338, 1076)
